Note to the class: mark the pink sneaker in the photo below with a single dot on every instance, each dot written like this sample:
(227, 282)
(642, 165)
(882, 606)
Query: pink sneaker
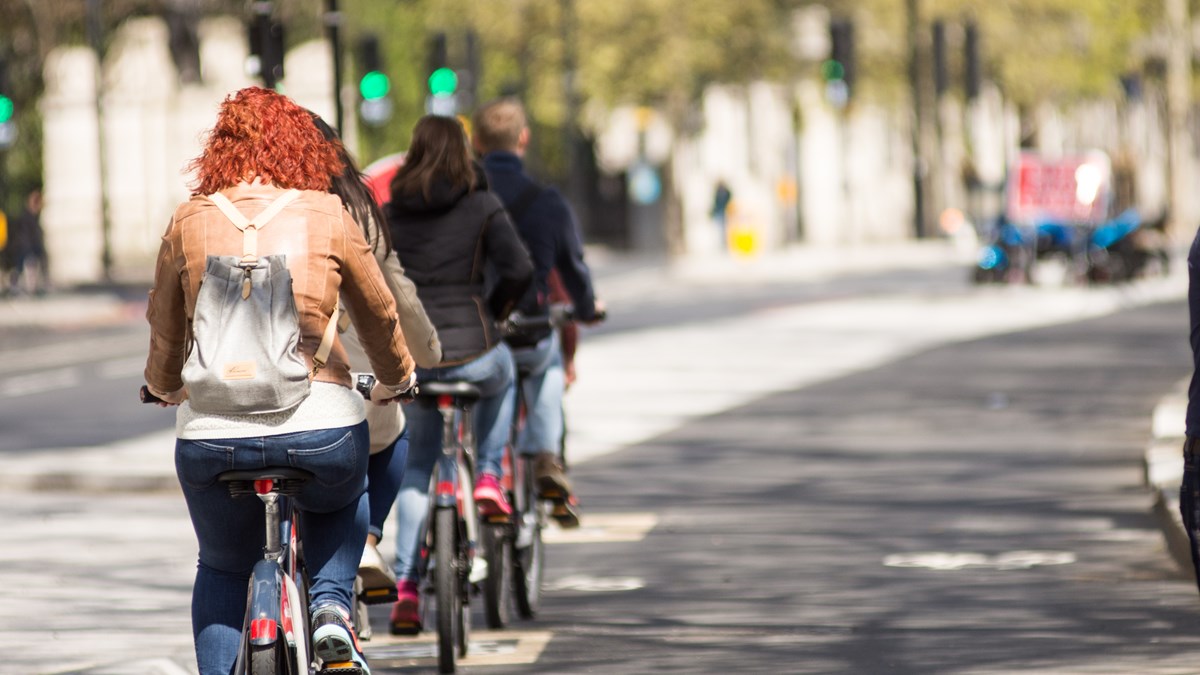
(406, 613)
(489, 497)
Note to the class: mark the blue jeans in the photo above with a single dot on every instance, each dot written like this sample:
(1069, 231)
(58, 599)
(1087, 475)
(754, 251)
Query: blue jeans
(384, 473)
(333, 525)
(494, 374)
(542, 383)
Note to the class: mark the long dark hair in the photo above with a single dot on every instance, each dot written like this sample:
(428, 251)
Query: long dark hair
(438, 152)
(350, 186)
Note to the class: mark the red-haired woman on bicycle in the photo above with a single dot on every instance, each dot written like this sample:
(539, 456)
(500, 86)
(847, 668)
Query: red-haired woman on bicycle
(263, 145)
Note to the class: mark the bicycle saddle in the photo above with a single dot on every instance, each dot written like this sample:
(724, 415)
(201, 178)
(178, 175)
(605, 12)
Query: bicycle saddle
(269, 472)
(459, 390)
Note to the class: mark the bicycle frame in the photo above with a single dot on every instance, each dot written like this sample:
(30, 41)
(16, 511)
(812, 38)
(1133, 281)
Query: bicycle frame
(276, 607)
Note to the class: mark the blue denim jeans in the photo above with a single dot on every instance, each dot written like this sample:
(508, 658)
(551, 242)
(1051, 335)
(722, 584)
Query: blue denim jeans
(384, 473)
(494, 374)
(542, 383)
(333, 525)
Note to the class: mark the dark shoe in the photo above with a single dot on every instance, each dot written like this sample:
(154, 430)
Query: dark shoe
(566, 513)
(551, 480)
(334, 641)
(406, 613)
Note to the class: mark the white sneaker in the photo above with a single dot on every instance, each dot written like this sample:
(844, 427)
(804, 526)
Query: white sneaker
(334, 641)
(375, 572)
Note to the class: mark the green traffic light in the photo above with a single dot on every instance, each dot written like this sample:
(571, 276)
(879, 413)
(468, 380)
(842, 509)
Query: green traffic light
(443, 82)
(374, 85)
(833, 70)
(6, 109)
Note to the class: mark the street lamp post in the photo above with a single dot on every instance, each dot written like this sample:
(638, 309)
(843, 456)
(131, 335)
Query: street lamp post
(95, 33)
(914, 81)
(333, 23)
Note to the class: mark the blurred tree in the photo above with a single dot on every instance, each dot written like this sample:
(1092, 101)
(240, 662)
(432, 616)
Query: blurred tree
(1036, 51)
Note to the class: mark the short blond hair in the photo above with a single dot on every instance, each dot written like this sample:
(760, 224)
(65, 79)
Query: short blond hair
(498, 125)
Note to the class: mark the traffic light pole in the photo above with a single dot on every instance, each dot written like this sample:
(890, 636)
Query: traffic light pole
(95, 36)
(333, 22)
(918, 121)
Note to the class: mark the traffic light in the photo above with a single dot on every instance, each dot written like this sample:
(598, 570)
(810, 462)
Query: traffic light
(376, 106)
(838, 69)
(6, 103)
(266, 46)
(8, 126)
(443, 81)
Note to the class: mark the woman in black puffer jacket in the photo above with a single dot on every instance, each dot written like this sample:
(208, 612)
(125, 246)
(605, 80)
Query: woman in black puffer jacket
(451, 234)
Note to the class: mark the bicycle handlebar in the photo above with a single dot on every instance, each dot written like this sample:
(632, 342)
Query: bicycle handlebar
(517, 323)
(364, 382)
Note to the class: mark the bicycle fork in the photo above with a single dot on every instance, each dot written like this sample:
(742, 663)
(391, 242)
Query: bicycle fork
(454, 487)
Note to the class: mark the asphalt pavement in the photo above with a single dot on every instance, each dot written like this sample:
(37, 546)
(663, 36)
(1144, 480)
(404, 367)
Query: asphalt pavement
(139, 466)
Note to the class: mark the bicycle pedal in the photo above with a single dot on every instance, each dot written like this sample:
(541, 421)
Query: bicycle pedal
(378, 596)
(340, 668)
(498, 519)
(566, 515)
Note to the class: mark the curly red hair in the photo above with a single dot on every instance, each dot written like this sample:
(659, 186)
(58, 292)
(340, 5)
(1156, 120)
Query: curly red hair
(260, 133)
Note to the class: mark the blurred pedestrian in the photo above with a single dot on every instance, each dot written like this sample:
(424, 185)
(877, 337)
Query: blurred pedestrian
(722, 196)
(26, 251)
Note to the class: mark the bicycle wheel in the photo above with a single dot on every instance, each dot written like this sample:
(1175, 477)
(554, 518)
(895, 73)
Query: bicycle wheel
(446, 585)
(497, 587)
(528, 556)
(266, 659)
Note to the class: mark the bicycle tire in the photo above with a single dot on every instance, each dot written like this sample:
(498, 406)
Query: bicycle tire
(446, 588)
(528, 562)
(497, 587)
(266, 659)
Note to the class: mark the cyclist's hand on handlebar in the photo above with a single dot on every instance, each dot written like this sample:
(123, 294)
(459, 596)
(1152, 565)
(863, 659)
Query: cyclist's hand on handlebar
(163, 399)
(599, 314)
(382, 394)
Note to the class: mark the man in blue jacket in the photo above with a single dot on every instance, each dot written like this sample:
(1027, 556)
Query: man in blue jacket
(547, 225)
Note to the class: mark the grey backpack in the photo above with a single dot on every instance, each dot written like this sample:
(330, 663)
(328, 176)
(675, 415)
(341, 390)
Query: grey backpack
(244, 355)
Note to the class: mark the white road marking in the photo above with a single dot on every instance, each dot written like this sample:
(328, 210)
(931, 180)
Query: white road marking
(599, 528)
(36, 383)
(589, 584)
(72, 353)
(1011, 560)
(117, 369)
(486, 648)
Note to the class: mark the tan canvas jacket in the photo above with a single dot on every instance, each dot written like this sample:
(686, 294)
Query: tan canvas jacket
(326, 255)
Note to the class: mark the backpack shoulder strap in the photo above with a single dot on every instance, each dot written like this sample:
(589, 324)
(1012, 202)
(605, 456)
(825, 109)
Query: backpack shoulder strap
(250, 227)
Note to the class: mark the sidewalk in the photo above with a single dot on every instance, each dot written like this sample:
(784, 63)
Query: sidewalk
(1164, 471)
(75, 307)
